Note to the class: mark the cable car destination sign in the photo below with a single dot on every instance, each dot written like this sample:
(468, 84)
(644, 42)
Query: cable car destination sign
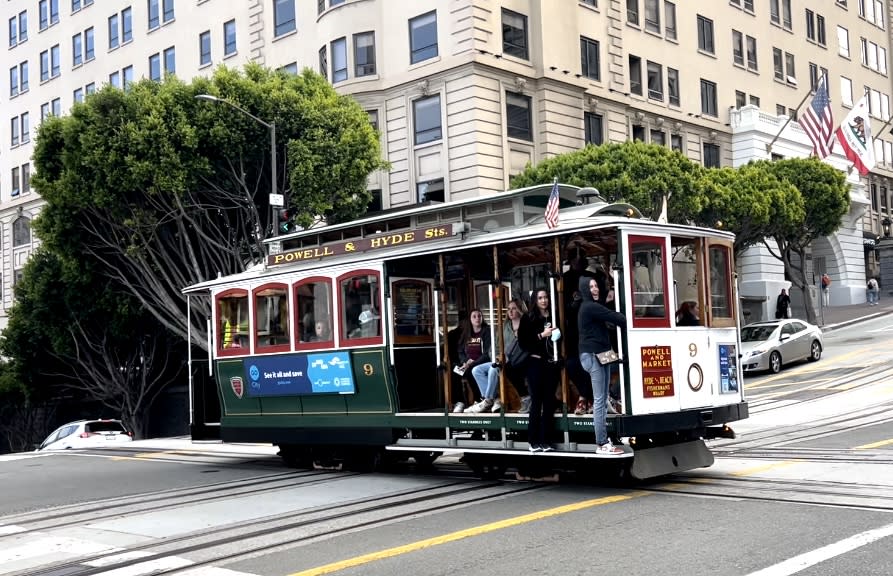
(378, 242)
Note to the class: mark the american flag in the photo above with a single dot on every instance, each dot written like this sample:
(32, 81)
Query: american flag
(551, 214)
(818, 123)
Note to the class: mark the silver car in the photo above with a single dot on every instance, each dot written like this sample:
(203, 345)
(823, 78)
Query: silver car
(87, 434)
(769, 345)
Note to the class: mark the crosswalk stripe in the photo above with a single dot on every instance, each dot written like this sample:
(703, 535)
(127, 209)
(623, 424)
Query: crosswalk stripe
(117, 559)
(149, 567)
(6, 530)
(39, 551)
(212, 571)
(20, 456)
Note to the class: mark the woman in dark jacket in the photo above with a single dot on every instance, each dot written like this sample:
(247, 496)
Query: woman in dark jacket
(782, 304)
(535, 337)
(595, 338)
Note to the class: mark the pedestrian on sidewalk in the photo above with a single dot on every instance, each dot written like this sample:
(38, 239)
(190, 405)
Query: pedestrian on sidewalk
(826, 290)
(873, 292)
(783, 305)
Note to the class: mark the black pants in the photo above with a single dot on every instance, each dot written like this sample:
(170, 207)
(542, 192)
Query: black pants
(542, 379)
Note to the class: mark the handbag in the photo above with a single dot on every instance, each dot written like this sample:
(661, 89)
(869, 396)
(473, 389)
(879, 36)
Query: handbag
(788, 313)
(515, 355)
(607, 357)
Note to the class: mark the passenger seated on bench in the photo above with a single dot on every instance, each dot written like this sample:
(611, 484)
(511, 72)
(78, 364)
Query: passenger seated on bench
(486, 375)
(321, 332)
(474, 351)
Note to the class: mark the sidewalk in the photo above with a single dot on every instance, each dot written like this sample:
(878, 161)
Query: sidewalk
(835, 317)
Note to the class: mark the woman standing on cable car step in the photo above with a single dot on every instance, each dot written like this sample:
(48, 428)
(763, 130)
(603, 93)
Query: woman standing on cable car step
(537, 336)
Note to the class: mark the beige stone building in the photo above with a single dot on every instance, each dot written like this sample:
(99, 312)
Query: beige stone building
(465, 93)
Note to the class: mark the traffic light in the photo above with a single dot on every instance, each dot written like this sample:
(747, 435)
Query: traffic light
(285, 221)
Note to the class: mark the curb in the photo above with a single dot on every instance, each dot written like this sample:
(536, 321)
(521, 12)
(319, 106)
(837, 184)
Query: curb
(845, 323)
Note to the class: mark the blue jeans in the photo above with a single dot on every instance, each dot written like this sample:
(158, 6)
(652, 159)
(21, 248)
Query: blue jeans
(872, 296)
(487, 378)
(600, 376)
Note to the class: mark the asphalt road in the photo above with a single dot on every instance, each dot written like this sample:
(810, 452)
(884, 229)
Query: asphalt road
(804, 489)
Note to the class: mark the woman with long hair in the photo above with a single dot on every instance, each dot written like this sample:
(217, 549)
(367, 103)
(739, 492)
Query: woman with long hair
(687, 315)
(474, 349)
(536, 338)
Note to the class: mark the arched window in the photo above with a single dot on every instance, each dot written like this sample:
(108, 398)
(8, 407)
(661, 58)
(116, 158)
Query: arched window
(360, 306)
(313, 313)
(21, 232)
(232, 323)
(271, 318)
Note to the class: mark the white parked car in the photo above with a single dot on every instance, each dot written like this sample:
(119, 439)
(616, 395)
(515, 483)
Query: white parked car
(87, 434)
(771, 344)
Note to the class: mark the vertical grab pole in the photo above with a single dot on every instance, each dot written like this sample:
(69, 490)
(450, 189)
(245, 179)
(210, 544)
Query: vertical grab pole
(623, 404)
(189, 361)
(447, 392)
(210, 347)
(560, 306)
(497, 285)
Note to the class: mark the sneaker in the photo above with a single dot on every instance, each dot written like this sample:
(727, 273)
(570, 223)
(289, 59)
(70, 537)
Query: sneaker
(547, 448)
(589, 407)
(581, 407)
(478, 407)
(459, 407)
(609, 449)
(497, 407)
(525, 405)
(535, 448)
(610, 406)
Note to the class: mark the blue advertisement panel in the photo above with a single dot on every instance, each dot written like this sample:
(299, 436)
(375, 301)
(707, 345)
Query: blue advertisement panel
(728, 369)
(295, 374)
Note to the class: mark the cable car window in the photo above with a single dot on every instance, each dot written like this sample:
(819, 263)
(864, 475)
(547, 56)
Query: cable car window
(271, 318)
(648, 282)
(313, 313)
(232, 322)
(360, 308)
(687, 280)
(720, 282)
(413, 311)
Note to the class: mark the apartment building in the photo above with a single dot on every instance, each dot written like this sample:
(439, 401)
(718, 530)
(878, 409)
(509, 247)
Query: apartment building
(465, 93)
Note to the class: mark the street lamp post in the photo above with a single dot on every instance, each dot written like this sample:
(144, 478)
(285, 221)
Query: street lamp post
(271, 126)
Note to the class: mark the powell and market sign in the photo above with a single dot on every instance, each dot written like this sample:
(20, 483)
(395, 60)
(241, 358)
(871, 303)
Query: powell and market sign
(389, 240)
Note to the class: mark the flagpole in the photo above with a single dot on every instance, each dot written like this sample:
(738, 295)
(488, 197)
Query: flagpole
(884, 127)
(790, 117)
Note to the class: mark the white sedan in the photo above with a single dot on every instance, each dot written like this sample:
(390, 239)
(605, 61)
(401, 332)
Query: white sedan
(87, 434)
(768, 345)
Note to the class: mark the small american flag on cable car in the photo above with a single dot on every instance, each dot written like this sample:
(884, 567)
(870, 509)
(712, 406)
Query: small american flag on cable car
(551, 214)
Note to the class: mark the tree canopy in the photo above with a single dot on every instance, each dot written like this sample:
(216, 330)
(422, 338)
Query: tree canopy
(162, 190)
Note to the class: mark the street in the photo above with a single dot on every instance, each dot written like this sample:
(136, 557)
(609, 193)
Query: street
(804, 489)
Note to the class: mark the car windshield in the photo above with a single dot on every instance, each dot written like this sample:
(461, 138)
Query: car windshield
(757, 333)
(104, 426)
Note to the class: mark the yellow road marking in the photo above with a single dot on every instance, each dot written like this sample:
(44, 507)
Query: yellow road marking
(461, 534)
(875, 445)
(149, 455)
(763, 468)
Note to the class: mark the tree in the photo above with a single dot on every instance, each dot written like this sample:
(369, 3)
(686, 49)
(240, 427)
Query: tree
(749, 201)
(826, 199)
(644, 175)
(72, 334)
(161, 190)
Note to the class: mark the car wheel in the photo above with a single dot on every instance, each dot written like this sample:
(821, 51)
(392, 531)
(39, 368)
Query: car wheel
(815, 351)
(775, 362)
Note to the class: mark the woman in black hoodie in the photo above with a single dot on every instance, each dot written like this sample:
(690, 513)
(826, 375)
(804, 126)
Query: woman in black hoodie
(595, 338)
(535, 338)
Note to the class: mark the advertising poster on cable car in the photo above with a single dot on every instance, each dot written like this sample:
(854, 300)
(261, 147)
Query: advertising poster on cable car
(295, 374)
(728, 369)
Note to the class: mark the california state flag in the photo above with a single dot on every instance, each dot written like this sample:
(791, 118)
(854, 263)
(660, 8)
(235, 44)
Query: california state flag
(854, 134)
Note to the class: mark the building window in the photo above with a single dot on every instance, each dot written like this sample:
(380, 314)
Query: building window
(16, 186)
(638, 133)
(652, 16)
(339, 60)
(635, 75)
(113, 31)
(426, 119)
(846, 91)
(375, 203)
(780, 12)
(708, 98)
(291, 69)
(738, 47)
(77, 50)
(670, 17)
(14, 131)
(781, 110)
(89, 88)
(589, 58)
(155, 67)
(423, 37)
(21, 232)
(57, 106)
(89, 51)
(519, 116)
(815, 73)
(284, 17)
(843, 42)
(676, 142)
(26, 177)
(514, 34)
(49, 13)
(752, 53)
(44, 65)
(23, 76)
(127, 76)
(154, 17)
(323, 63)
(204, 48)
(431, 191)
(18, 28)
(364, 54)
(44, 111)
(711, 155)
(126, 25)
(593, 125)
(754, 100)
(170, 61)
(25, 120)
(740, 99)
(705, 35)
(168, 12)
(659, 137)
(14, 81)
(655, 81)
(632, 12)
(115, 79)
(78, 95)
(593, 3)
(789, 66)
(673, 86)
(229, 38)
(373, 119)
